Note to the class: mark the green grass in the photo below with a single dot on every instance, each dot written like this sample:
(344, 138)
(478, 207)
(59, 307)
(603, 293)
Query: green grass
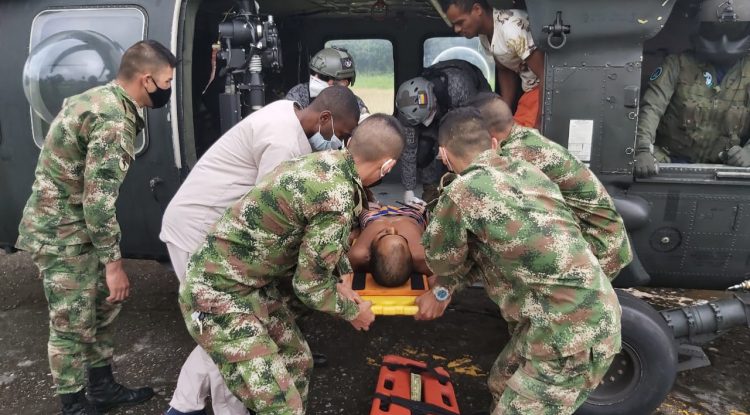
(375, 81)
(385, 81)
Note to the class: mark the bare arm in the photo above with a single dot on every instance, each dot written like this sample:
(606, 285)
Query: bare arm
(535, 62)
(508, 81)
(359, 254)
(413, 235)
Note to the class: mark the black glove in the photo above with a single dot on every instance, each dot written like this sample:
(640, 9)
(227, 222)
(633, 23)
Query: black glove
(645, 165)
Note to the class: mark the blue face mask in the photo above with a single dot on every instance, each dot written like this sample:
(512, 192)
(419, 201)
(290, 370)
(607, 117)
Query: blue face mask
(320, 143)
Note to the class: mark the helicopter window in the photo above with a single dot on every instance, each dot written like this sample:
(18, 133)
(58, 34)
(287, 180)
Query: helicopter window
(438, 49)
(375, 81)
(73, 50)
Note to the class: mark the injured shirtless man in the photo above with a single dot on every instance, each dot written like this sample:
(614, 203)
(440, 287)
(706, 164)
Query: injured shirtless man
(388, 243)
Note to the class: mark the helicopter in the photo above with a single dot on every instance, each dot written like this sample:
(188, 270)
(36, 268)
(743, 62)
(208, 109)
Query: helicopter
(689, 225)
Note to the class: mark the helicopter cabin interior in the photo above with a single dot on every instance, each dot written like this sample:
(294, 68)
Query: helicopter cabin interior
(390, 41)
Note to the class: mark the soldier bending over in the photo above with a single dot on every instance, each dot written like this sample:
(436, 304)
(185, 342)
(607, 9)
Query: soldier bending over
(293, 225)
(504, 222)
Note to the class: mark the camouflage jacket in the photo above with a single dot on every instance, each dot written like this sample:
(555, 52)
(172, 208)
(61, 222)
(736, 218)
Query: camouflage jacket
(586, 197)
(83, 162)
(689, 115)
(504, 221)
(300, 94)
(294, 223)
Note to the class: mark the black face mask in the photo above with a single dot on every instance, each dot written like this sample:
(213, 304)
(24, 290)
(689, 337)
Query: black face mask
(375, 184)
(159, 97)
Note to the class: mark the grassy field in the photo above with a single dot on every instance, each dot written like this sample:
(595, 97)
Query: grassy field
(376, 90)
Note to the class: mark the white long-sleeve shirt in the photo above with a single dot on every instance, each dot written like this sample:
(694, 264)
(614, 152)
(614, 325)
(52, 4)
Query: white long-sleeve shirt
(229, 169)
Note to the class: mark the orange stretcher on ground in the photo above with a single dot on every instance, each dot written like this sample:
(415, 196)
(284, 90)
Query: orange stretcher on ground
(390, 301)
(410, 387)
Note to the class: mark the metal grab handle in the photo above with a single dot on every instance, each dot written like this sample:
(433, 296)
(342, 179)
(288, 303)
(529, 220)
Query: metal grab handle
(562, 43)
(557, 30)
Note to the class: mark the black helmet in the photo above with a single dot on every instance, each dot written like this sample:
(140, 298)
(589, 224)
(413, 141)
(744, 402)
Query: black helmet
(723, 34)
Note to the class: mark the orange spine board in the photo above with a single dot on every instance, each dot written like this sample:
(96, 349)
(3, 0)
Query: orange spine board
(395, 381)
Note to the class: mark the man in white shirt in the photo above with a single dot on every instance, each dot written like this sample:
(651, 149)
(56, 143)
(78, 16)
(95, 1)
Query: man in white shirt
(229, 169)
(505, 34)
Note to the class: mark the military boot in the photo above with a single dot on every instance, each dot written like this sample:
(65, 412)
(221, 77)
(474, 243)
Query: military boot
(106, 394)
(172, 411)
(77, 404)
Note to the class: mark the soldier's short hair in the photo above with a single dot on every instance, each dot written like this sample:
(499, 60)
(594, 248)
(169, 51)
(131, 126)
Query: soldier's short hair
(465, 5)
(379, 136)
(340, 101)
(144, 56)
(464, 132)
(390, 265)
(495, 112)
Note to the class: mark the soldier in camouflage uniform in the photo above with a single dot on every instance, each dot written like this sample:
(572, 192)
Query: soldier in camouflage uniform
(584, 194)
(70, 228)
(502, 221)
(696, 108)
(420, 103)
(293, 225)
(330, 66)
(230, 168)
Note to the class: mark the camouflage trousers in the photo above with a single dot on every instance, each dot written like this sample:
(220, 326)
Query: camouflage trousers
(80, 318)
(265, 360)
(547, 387)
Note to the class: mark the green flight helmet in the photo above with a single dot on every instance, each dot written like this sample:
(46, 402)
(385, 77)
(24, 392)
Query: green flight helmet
(416, 102)
(334, 62)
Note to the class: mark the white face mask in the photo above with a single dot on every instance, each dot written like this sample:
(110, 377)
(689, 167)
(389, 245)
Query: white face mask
(429, 118)
(385, 166)
(317, 86)
(444, 157)
(320, 143)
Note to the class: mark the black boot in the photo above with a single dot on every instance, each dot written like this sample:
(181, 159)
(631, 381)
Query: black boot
(77, 404)
(106, 394)
(172, 411)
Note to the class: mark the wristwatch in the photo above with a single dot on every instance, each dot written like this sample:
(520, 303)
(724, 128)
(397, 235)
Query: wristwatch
(441, 293)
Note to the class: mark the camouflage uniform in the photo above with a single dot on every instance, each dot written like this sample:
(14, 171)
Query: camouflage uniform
(70, 228)
(300, 94)
(293, 225)
(690, 115)
(584, 194)
(455, 83)
(505, 222)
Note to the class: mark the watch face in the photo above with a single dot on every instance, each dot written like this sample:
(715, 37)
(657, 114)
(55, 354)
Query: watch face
(441, 294)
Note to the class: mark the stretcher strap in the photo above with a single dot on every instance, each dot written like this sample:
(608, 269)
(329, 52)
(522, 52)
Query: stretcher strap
(360, 278)
(359, 281)
(419, 370)
(415, 407)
